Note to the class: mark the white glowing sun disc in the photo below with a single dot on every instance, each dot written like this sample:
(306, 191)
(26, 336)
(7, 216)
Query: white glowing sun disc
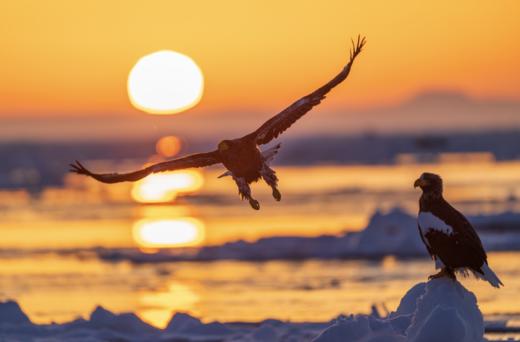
(165, 82)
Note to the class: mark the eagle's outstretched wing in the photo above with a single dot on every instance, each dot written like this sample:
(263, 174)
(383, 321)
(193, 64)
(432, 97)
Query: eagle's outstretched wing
(194, 160)
(283, 120)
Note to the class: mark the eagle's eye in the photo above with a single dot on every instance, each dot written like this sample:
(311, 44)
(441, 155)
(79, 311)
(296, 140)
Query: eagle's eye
(222, 146)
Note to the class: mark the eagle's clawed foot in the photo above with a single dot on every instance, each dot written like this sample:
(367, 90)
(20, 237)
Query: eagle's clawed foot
(78, 168)
(444, 272)
(276, 194)
(254, 204)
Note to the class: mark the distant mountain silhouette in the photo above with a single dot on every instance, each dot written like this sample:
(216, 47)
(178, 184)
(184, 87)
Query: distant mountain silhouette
(439, 97)
(454, 98)
(430, 111)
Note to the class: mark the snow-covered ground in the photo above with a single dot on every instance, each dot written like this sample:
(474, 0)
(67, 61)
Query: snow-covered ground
(392, 233)
(439, 310)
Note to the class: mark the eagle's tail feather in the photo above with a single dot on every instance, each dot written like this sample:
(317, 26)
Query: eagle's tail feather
(489, 275)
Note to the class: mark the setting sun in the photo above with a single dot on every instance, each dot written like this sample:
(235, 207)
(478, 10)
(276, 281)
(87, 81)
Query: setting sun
(165, 82)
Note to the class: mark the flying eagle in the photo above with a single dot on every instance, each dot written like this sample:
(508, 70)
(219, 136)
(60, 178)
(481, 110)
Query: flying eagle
(242, 157)
(449, 237)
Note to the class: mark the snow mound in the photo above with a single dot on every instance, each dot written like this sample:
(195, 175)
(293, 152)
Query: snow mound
(182, 322)
(446, 311)
(439, 310)
(11, 313)
(125, 322)
(392, 233)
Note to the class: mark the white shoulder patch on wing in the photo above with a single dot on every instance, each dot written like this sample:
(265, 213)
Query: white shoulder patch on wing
(428, 221)
(269, 154)
(302, 101)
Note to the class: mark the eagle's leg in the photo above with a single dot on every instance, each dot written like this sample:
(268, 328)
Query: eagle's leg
(444, 272)
(245, 192)
(269, 176)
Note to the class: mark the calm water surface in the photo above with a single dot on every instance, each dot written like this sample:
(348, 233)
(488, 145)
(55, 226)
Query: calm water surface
(60, 288)
(52, 285)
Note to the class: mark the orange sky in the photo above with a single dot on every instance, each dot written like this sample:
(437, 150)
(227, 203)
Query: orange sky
(73, 58)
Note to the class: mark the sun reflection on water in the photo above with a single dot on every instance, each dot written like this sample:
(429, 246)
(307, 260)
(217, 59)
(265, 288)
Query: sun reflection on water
(165, 233)
(159, 306)
(164, 187)
(168, 146)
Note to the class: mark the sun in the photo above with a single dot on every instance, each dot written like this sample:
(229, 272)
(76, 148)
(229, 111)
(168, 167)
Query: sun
(165, 82)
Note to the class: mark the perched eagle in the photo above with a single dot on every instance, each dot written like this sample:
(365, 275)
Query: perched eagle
(242, 157)
(449, 237)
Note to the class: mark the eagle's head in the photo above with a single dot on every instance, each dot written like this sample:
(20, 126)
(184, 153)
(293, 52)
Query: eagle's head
(430, 183)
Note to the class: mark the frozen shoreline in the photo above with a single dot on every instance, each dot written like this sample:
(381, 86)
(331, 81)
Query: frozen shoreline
(422, 311)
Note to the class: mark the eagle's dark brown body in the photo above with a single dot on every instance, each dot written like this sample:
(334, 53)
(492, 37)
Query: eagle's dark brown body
(453, 252)
(242, 158)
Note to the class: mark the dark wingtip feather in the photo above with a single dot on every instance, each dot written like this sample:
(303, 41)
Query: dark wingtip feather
(355, 49)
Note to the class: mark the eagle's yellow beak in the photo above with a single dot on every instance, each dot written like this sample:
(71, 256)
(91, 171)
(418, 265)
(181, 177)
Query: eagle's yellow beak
(222, 146)
(420, 182)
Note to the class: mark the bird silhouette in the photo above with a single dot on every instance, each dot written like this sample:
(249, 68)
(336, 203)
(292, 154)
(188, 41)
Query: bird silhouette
(241, 157)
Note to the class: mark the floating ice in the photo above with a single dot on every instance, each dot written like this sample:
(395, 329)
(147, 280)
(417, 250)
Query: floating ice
(439, 310)
(391, 233)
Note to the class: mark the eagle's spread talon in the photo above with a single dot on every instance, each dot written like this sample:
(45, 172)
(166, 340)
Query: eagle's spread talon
(442, 273)
(277, 195)
(254, 204)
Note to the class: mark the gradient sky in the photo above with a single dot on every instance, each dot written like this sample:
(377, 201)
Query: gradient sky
(73, 58)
